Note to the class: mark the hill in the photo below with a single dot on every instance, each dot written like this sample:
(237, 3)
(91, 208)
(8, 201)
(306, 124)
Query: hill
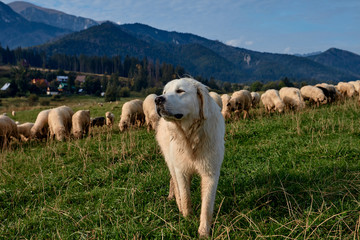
(51, 17)
(339, 59)
(197, 55)
(17, 31)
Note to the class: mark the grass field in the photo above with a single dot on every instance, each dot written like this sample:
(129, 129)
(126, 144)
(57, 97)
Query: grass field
(288, 176)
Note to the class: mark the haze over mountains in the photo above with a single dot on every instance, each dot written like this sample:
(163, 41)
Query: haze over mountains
(198, 55)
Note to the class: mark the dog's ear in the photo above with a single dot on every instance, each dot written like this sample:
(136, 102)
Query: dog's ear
(203, 94)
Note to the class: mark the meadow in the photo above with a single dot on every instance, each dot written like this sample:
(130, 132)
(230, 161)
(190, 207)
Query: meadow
(287, 176)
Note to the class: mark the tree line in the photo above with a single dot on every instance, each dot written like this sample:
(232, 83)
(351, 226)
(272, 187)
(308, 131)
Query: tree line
(119, 76)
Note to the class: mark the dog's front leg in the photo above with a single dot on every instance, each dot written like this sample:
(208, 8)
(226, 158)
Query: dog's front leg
(183, 183)
(208, 192)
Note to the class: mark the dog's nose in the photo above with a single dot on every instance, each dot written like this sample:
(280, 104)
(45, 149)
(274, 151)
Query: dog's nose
(159, 100)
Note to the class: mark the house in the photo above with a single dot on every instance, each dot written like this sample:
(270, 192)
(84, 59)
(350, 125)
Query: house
(80, 79)
(63, 83)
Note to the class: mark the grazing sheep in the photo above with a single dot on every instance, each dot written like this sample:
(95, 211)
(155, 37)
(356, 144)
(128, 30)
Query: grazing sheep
(255, 99)
(272, 101)
(13, 113)
(292, 98)
(225, 98)
(110, 119)
(240, 101)
(151, 115)
(346, 89)
(60, 121)
(216, 98)
(356, 85)
(313, 94)
(24, 130)
(330, 92)
(131, 114)
(40, 129)
(97, 122)
(80, 123)
(8, 129)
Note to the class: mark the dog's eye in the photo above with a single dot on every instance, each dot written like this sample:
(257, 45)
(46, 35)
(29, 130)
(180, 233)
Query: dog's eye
(179, 91)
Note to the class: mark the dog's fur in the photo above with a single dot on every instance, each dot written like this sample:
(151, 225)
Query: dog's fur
(191, 136)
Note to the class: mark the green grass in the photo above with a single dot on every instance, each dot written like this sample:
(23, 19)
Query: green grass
(295, 176)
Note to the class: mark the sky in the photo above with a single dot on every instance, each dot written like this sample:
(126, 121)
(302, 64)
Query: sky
(275, 26)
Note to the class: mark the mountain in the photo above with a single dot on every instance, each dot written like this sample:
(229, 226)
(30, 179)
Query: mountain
(198, 55)
(308, 54)
(51, 17)
(17, 31)
(339, 59)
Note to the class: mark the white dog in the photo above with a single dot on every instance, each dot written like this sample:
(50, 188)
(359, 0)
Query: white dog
(191, 136)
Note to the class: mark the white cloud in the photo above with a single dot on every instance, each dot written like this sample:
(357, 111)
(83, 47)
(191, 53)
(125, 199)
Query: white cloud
(249, 43)
(234, 42)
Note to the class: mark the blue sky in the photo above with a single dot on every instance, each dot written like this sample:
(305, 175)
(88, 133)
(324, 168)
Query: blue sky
(277, 26)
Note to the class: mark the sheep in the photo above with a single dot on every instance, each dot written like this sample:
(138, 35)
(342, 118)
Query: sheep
(13, 113)
(330, 92)
(356, 85)
(131, 114)
(59, 120)
(255, 99)
(292, 98)
(8, 129)
(216, 98)
(110, 119)
(225, 98)
(151, 115)
(272, 101)
(313, 94)
(40, 129)
(80, 123)
(346, 89)
(240, 101)
(97, 122)
(24, 130)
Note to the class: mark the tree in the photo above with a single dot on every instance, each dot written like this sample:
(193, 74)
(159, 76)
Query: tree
(256, 86)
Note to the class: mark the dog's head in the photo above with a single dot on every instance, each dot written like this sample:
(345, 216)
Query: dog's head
(182, 99)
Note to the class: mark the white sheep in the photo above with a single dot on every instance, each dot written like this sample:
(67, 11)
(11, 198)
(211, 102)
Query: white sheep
(80, 123)
(132, 114)
(330, 92)
(149, 108)
(8, 129)
(356, 85)
(272, 101)
(40, 129)
(240, 101)
(255, 99)
(346, 89)
(216, 98)
(13, 113)
(313, 94)
(24, 130)
(292, 98)
(225, 98)
(110, 119)
(60, 121)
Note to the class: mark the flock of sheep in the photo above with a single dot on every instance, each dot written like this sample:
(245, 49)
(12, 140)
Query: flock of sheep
(62, 123)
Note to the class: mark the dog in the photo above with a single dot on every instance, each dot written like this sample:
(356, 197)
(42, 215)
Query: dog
(190, 134)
